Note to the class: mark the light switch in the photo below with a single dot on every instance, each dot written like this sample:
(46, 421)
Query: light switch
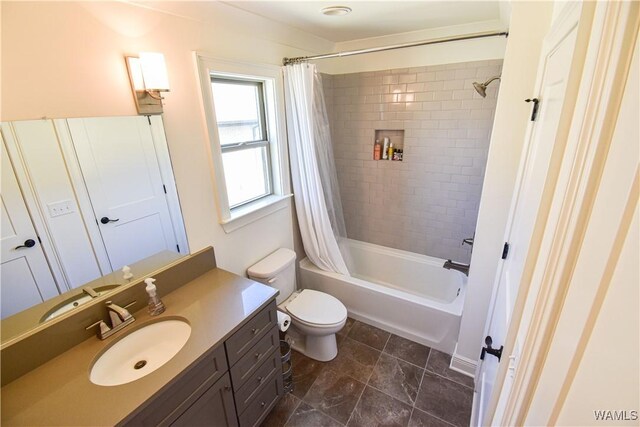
(63, 207)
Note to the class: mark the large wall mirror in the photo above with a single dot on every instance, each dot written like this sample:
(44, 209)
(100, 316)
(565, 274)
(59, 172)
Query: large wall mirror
(82, 200)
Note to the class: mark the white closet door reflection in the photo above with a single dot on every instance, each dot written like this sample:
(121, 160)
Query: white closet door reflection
(25, 275)
(121, 171)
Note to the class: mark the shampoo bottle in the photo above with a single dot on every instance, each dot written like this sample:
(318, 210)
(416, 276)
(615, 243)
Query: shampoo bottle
(377, 150)
(390, 154)
(156, 306)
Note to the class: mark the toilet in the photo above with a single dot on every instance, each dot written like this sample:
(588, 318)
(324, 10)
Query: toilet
(316, 317)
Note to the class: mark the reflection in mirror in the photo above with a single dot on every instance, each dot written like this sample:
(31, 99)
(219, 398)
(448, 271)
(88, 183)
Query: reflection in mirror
(81, 199)
(20, 323)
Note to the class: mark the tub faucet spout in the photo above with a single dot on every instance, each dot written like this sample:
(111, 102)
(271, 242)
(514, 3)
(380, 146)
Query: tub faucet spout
(450, 265)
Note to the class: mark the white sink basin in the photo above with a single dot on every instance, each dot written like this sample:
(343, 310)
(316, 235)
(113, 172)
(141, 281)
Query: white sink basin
(140, 352)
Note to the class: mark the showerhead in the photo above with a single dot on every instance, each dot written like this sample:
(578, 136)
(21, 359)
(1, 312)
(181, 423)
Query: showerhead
(481, 88)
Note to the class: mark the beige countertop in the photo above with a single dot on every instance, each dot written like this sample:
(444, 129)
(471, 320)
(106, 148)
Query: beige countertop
(59, 392)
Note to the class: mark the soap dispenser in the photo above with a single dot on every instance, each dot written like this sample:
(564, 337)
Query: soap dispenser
(156, 306)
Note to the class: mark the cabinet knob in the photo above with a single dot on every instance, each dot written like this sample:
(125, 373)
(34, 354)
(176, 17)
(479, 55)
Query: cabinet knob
(227, 388)
(262, 404)
(258, 355)
(260, 379)
(255, 330)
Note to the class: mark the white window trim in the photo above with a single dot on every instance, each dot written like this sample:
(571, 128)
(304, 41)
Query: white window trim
(271, 76)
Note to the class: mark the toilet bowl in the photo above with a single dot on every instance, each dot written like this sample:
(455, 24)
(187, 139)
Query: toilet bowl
(316, 317)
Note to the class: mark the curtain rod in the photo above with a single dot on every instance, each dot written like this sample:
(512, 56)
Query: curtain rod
(287, 61)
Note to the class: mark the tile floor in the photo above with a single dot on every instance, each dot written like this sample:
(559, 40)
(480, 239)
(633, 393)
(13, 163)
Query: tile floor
(377, 379)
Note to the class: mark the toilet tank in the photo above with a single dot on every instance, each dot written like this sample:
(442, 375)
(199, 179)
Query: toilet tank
(277, 270)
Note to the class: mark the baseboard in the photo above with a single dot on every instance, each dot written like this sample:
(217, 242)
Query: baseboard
(463, 364)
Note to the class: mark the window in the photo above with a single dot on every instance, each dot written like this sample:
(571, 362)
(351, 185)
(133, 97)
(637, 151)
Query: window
(242, 130)
(244, 110)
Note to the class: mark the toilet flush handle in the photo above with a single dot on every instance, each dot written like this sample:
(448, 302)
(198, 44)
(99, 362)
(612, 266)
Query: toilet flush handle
(272, 281)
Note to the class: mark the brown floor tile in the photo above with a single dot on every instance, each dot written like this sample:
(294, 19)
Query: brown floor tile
(445, 399)
(282, 411)
(369, 335)
(422, 419)
(334, 394)
(347, 327)
(307, 416)
(378, 409)
(407, 350)
(397, 378)
(439, 363)
(354, 359)
(305, 372)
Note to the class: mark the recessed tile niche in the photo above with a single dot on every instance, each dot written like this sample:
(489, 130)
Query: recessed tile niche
(396, 137)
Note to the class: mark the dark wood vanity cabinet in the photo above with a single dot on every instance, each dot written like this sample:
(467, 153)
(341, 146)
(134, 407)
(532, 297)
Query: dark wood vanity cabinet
(214, 408)
(235, 383)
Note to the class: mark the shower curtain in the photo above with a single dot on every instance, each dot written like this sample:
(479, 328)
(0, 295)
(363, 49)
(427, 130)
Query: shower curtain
(315, 183)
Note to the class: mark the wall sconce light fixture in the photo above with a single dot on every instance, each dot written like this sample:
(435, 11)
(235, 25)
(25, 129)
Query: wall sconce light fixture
(148, 77)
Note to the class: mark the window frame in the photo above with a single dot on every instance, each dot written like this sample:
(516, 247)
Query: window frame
(270, 76)
(248, 145)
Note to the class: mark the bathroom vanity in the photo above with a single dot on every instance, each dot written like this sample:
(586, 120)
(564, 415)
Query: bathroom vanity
(228, 372)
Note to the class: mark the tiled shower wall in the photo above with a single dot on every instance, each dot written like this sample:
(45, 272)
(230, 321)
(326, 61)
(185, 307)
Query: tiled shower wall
(428, 202)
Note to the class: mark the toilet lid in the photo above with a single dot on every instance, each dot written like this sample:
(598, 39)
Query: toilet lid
(317, 307)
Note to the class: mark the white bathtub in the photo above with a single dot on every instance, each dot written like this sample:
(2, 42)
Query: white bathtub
(408, 294)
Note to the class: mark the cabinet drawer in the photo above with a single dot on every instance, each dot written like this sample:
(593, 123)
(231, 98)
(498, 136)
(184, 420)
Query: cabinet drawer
(264, 401)
(251, 361)
(247, 336)
(164, 407)
(264, 374)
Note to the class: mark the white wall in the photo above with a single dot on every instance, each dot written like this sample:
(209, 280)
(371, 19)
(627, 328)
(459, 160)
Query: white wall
(446, 53)
(530, 22)
(66, 59)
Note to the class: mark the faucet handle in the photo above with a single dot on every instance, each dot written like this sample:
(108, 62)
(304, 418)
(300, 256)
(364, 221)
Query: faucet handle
(118, 314)
(103, 327)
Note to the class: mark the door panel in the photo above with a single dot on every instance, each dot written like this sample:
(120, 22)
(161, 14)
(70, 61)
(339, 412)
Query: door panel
(539, 151)
(25, 277)
(121, 171)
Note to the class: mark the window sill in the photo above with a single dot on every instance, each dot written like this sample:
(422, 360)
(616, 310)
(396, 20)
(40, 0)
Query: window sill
(251, 212)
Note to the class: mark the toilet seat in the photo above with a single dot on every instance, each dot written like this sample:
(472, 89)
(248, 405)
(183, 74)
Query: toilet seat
(318, 309)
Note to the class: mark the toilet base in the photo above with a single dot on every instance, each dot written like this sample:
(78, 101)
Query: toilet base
(322, 348)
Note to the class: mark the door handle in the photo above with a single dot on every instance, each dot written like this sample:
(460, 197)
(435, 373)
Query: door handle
(29, 243)
(497, 352)
(106, 220)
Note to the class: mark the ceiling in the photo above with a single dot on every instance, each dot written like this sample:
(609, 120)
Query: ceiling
(371, 18)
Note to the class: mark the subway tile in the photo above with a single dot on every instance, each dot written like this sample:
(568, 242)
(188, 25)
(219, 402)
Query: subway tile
(407, 78)
(390, 80)
(415, 87)
(443, 95)
(446, 131)
(453, 84)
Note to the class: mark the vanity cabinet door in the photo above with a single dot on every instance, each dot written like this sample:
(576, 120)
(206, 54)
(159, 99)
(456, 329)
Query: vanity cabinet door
(214, 408)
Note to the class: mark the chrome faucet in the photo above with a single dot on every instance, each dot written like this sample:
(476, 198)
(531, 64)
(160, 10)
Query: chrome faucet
(120, 317)
(450, 265)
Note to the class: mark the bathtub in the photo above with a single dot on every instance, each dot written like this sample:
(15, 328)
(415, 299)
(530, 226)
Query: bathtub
(408, 294)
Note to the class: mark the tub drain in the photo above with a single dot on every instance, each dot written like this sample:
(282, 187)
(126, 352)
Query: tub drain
(140, 364)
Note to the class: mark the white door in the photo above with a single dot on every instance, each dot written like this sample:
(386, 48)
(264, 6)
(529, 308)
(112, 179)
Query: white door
(121, 171)
(25, 277)
(553, 76)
